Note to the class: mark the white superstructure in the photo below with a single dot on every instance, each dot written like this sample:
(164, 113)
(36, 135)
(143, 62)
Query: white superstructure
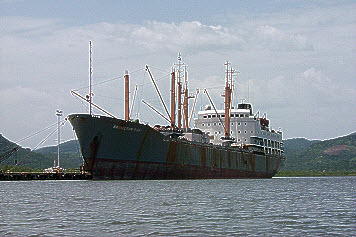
(246, 128)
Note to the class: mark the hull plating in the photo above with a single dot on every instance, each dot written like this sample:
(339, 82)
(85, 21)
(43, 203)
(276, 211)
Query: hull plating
(118, 149)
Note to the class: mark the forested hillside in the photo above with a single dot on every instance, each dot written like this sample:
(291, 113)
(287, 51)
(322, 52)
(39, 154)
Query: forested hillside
(329, 155)
(35, 160)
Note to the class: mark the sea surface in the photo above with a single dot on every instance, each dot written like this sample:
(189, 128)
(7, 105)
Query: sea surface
(323, 206)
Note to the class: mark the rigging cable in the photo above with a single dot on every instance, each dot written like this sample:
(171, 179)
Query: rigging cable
(25, 138)
(108, 80)
(43, 141)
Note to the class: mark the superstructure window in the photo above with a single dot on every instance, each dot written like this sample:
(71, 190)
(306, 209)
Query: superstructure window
(205, 116)
(214, 115)
(209, 116)
(241, 115)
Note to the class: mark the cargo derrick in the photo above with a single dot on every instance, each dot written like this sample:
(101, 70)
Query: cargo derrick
(227, 95)
(173, 99)
(127, 96)
(124, 149)
(179, 92)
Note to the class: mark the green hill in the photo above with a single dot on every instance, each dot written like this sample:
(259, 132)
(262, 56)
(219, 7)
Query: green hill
(297, 144)
(329, 155)
(34, 160)
(71, 146)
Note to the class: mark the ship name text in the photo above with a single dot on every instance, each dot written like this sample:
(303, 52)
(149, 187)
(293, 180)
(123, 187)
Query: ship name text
(126, 128)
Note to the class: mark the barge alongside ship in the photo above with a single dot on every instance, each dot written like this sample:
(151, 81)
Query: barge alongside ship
(115, 148)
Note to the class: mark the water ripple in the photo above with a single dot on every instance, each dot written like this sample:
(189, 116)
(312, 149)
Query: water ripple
(272, 207)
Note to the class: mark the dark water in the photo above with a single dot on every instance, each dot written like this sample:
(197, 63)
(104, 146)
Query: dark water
(270, 207)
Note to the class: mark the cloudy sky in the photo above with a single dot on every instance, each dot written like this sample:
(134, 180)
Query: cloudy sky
(296, 59)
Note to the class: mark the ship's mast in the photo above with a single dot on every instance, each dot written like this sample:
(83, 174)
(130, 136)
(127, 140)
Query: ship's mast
(185, 100)
(127, 95)
(173, 99)
(90, 77)
(228, 92)
(179, 95)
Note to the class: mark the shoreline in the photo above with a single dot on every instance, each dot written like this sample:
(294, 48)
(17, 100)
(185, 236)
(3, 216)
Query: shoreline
(301, 173)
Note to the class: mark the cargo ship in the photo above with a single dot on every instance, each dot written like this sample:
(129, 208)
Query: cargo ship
(223, 144)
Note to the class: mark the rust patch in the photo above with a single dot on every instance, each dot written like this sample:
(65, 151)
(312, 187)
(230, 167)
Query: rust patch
(237, 160)
(253, 162)
(203, 156)
(215, 160)
(229, 159)
(93, 149)
(267, 164)
(141, 145)
(171, 156)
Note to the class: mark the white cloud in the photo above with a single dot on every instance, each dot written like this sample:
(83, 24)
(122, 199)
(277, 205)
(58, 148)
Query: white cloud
(275, 39)
(297, 68)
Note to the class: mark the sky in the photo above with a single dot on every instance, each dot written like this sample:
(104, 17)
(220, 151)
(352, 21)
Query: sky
(296, 60)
